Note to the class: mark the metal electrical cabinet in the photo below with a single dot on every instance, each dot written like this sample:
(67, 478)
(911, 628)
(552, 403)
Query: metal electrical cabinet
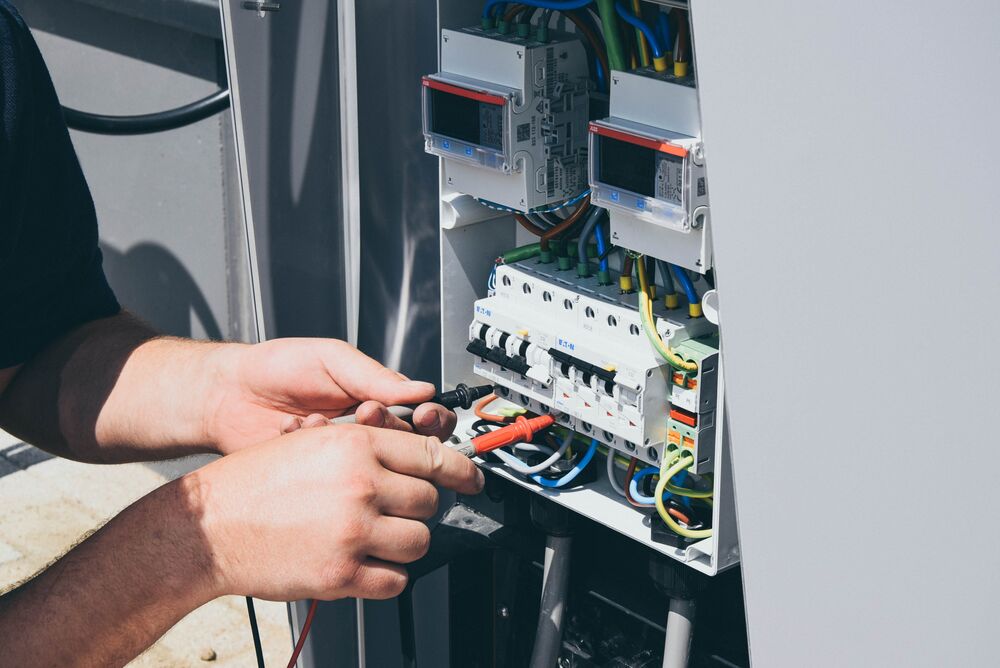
(836, 222)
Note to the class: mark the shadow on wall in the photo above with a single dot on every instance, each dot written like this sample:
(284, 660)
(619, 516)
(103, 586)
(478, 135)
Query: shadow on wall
(151, 282)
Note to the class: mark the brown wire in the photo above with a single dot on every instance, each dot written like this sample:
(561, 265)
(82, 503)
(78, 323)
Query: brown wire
(627, 265)
(564, 226)
(629, 474)
(548, 235)
(528, 225)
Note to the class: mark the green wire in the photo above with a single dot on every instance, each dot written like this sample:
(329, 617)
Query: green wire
(609, 23)
(650, 328)
(521, 253)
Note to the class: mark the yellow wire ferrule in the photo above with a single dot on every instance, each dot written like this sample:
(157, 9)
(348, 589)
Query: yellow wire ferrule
(625, 283)
(694, 310)
(671, 301)
(680, 68)
(662, 64)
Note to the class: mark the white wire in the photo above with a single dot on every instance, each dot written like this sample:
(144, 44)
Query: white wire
(520, 467)
(612, 476)
(531, 447)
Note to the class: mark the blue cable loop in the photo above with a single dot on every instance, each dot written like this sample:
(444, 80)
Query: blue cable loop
(633, 486)
(602, 246)
(559, 6)
(686, 284)
(636, 22)
(573, 473)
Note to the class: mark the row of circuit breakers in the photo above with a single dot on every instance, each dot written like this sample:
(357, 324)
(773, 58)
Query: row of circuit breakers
(511, 117)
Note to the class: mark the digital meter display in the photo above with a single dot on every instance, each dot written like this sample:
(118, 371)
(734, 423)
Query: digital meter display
(628, 166)
(466, 119)
(641, 170)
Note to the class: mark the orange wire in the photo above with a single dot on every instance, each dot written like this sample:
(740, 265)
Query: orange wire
(489, 417)
(302, 636)
(678, 515)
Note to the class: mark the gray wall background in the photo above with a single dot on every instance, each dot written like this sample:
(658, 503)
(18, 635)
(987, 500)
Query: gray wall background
(170, 224)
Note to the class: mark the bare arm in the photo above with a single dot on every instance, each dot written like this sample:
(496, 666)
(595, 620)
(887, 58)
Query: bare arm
(112, 391)
(117, 592)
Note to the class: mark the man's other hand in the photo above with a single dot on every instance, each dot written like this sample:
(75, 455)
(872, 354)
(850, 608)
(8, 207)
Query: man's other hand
(325, 513)
(261, 391)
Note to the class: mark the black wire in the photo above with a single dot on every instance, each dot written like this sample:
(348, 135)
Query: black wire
(170, 119)
(607, 251)
(256, 633)
(407, 631)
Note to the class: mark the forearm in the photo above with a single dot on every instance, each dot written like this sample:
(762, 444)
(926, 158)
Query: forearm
(113, 391)
(118, 591)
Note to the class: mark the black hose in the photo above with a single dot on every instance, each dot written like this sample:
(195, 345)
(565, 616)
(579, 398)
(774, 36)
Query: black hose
(171, 119)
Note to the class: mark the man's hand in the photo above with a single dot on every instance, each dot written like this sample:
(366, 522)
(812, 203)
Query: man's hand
(261, 391)
(322, 513)
(327, 512)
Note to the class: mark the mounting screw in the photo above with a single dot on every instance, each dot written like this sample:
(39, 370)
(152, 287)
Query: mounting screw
(261, 6)
(698, 155)
(503, 612)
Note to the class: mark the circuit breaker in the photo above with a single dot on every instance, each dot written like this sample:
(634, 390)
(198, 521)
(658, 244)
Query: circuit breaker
(508, 115)
(555, 342)
(647, 168)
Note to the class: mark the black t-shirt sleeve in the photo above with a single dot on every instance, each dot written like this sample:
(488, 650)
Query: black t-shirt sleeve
(51, 274)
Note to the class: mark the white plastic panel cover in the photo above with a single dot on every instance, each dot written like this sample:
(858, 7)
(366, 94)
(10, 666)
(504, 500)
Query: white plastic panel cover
(852, 149)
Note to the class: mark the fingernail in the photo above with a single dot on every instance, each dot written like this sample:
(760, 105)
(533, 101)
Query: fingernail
(480, 478)
(430, 420)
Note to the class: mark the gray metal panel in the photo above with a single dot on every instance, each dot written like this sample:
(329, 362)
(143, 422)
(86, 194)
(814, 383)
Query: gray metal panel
(852, 153)
(398, 305)
(285, 75)
(285, 70)
(166, 224)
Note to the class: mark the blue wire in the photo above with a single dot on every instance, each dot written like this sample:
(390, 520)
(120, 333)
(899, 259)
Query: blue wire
(686, 284)
(636, 22)
(559, 6)
(663, 28)
(602, 245)
(601, 81)
(633, 486)
(573, 473)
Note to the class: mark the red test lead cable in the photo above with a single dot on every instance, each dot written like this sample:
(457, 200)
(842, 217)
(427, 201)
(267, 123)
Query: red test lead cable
(521, 431)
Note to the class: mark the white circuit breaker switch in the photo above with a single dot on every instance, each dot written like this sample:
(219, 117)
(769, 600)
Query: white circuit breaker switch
(650, 174)
(601, 373)
(508, 115)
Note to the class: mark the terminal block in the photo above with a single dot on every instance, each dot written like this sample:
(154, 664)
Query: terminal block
(554, 342)
(694, 434)
(649, 173)
(509, 115)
